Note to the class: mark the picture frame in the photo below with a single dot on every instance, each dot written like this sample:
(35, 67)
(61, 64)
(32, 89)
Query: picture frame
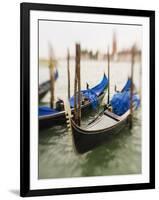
(26, 84)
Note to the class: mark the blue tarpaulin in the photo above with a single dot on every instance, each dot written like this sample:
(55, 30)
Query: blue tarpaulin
(44, 110)
(127, 85)
(93, 98)
(121, 101)
(98, 89)
(93, 93)
(89, 95)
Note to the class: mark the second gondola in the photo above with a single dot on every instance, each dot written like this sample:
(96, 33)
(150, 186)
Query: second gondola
(49, 117)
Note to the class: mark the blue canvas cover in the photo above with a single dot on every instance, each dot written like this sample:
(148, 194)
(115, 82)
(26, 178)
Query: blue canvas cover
(93, 93)
(44, 110)
(127, 85)
(98, 89)
(121, 101)
(93, 98)
(87, 94)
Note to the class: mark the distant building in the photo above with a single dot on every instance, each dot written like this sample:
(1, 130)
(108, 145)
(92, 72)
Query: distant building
(86, 54)
(114, 45)
(125, 55)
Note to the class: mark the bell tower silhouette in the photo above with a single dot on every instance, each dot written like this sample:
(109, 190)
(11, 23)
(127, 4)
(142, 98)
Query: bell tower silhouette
(114, 45)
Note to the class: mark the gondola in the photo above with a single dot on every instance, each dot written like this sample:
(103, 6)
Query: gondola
(43, 89)
(49, 117)
(107, 124)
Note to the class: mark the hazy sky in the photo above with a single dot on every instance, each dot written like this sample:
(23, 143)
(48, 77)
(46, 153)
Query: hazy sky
(63, 35)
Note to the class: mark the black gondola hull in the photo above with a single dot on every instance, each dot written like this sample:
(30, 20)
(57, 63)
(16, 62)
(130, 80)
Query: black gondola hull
(44, 89)
(85, 141)
(42, 94)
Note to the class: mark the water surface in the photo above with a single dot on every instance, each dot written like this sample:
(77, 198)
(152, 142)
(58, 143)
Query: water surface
(121, 155)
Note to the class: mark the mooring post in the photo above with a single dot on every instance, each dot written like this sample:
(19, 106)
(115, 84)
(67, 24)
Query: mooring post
(68, 72)
(78, 56)
(77, 87)
(75, 92)
(108, 57)
(52, 81)
(132, 86)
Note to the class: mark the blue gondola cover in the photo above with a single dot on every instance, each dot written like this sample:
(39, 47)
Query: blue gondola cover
(98, 89)
(44, 110)
(127, 85)
(121, 100)
(93, 93)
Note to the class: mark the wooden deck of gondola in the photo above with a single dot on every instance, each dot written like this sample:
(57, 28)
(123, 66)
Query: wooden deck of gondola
(112, 115)
(101, 123)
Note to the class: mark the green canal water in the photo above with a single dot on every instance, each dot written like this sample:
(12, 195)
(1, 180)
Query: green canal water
(120, 156)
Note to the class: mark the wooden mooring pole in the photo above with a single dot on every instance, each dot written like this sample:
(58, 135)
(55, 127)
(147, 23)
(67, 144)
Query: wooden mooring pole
(77, 87)
(52, 81)
(78, 50)
(132, 87)
(75, 94)
(108, 57)
(68, 72)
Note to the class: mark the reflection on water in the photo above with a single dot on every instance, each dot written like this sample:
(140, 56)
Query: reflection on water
(121, 155)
